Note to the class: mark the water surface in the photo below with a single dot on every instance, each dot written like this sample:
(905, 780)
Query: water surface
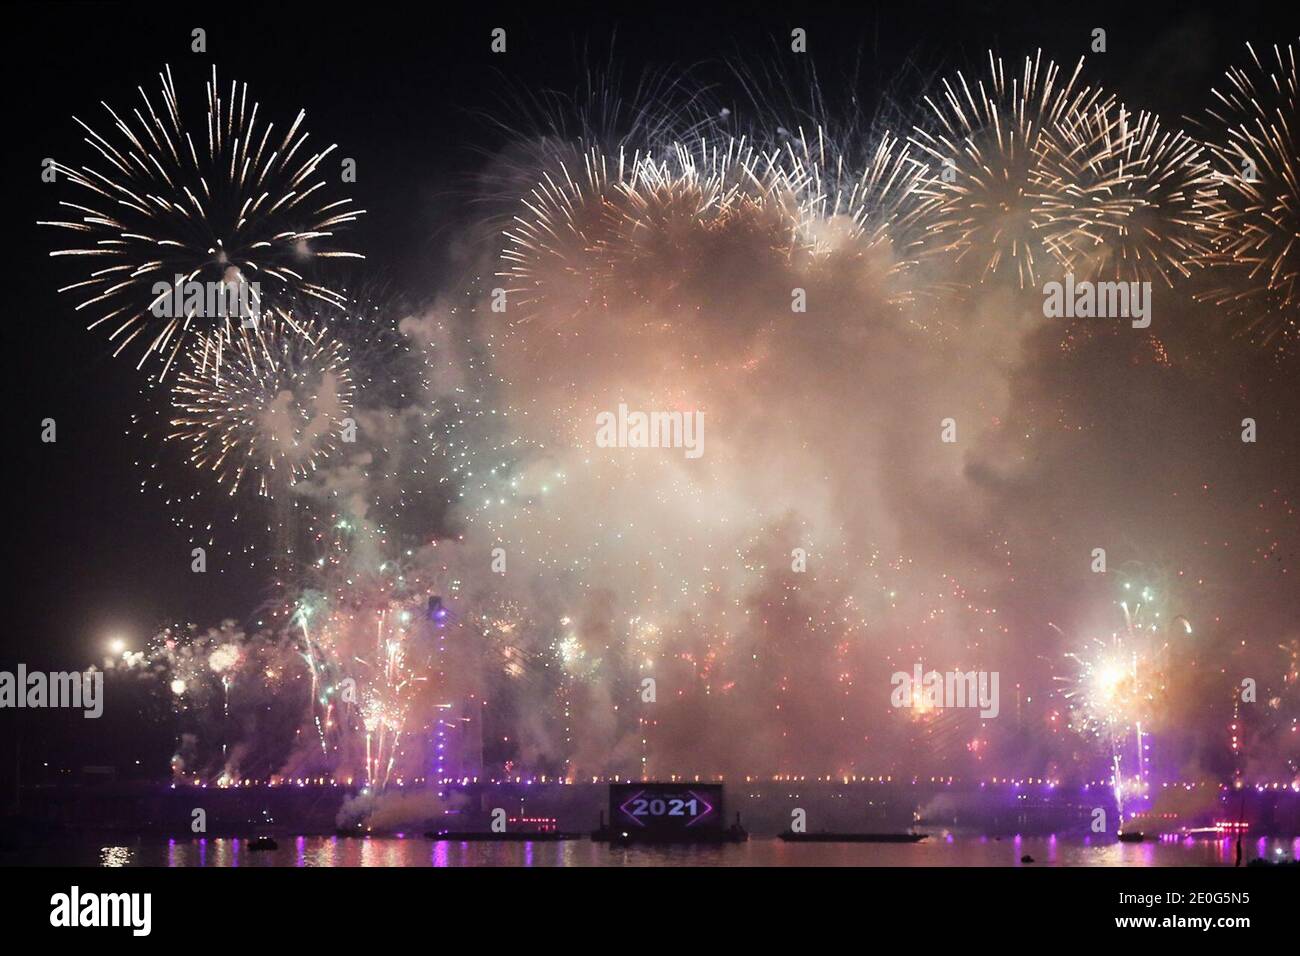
(417, 851)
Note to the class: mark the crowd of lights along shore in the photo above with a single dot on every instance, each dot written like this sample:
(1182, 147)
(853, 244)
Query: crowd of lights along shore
(468, 589)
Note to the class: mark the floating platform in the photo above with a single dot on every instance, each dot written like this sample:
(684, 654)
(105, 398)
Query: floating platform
(790, 837)
(1134, 837)
(667, 813)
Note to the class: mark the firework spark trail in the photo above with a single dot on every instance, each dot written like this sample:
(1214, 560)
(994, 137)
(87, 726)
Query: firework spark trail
(1253, 135)
(372, 641)
(242, 205)
(363, 650)
(389, 694)
(312, 659)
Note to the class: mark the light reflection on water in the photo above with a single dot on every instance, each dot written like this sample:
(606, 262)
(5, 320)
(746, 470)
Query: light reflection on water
(945, 850)
(110, 856)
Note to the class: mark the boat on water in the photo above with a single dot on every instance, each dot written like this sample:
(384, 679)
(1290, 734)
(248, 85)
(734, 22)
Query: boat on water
(264, 827)
(1134, 836)
(827, 837)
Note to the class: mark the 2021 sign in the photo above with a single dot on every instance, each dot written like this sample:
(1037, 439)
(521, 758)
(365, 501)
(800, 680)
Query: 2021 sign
(661, 808)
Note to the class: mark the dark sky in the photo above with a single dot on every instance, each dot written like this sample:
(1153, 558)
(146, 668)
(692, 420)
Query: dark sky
(405, 91)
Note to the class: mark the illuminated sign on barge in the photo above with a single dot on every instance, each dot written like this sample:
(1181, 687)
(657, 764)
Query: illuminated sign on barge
(667, 813)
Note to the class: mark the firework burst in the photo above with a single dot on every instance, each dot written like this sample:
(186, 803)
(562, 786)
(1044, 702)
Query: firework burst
(1144, 195)
(640, 228)
(232, 202)
(272, 404)
(876, 211)
(998, 203)
(1254, 138)
(630, 215)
